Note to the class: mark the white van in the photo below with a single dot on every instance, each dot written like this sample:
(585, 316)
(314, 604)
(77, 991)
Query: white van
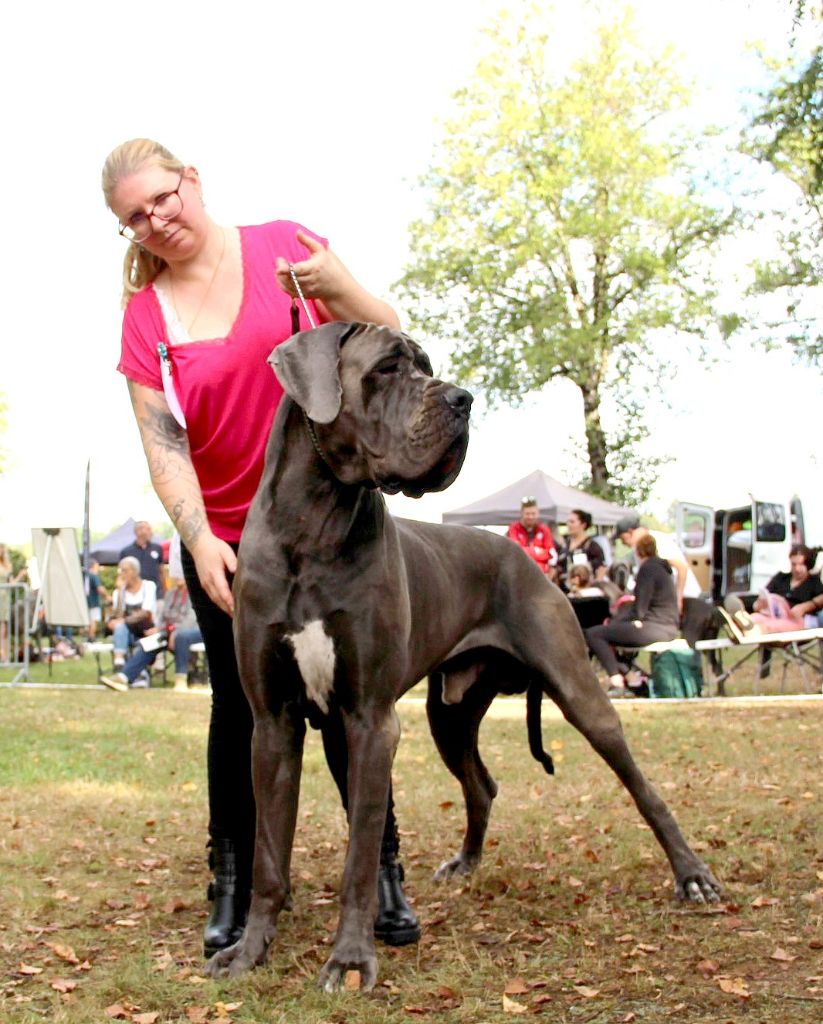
(738, 550)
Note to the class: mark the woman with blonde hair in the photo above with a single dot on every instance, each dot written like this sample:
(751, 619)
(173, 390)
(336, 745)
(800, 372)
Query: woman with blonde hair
(205, 304)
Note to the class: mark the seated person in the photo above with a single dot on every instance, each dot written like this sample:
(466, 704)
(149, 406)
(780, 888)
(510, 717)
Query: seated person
(535, 537)
(132, 595)
(791, 600)
(179, 627)
(579, 548)
(630, 532)
(653, 615)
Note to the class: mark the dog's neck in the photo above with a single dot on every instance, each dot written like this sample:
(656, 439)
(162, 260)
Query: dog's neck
(298, 475)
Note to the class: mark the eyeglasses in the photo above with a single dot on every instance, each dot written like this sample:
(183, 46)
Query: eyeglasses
(166, 207)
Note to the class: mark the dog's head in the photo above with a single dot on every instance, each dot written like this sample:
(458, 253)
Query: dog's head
(380, 417)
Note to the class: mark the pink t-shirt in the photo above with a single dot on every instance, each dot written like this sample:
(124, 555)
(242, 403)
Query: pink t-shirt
(228, 393)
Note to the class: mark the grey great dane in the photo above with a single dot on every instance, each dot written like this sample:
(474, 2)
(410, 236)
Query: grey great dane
(340, 609)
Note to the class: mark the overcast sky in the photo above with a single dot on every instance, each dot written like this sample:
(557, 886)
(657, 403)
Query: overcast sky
(324, 113)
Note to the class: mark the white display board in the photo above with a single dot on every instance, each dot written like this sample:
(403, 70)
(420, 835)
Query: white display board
(62, 593)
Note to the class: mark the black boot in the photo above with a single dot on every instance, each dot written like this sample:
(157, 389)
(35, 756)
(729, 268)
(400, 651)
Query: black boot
(229, 894)
(396, 923)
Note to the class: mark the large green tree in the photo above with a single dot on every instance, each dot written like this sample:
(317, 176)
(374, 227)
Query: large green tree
(565, 228)
(786, 132)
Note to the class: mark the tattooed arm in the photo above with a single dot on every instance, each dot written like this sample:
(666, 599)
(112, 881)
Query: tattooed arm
(166, 445)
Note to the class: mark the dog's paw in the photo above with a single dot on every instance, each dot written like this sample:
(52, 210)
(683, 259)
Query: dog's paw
(237, 959)
(333, 976)
(698, 885)
(456, 867)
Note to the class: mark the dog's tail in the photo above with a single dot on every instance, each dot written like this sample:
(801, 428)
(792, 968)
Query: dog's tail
(534, 704)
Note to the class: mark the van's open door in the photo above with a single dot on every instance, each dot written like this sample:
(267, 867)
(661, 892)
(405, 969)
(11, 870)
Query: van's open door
(771, 541)
(694, 527)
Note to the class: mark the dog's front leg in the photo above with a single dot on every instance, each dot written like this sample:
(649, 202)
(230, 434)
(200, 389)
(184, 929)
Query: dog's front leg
(277, 749)
(372, 739)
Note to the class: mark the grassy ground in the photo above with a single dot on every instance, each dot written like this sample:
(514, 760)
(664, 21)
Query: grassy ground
(570, 917)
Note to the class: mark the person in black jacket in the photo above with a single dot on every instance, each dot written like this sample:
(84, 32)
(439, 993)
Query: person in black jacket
(651, 617)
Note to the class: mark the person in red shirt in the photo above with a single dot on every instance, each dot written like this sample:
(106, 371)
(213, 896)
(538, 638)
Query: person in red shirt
(535, 537)
(205, 304)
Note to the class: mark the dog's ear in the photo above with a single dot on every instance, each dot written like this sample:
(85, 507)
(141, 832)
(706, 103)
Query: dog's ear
(421, 360)
(307, 367)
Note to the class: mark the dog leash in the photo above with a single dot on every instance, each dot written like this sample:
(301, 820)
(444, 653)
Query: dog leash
(295, 313)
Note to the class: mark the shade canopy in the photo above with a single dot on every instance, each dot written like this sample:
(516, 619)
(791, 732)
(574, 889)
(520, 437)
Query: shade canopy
(107, 551)
(555, 500)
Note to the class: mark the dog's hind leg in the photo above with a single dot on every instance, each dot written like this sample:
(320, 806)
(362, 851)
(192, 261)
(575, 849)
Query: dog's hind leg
(455, 728)
(586, 707)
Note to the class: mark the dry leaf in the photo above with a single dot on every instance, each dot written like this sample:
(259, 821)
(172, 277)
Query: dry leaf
(116, 1012)
(782, 956)
(27, 969)
(64, 952)
(708, 967)
(586, 992)
(225, 1008)
(197, 1014)
(512, 1006)
(734, 987)
(126, 922)
(62, 985)
(516, 987)
(353, 981)
(444, 992)
(145, 1018)
(575, 883)
(173, 906)
(629, 1018)
(446, 804)
(764, 901)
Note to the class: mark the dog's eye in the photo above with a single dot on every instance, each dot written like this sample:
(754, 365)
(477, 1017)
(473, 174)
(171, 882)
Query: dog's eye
(388, 367)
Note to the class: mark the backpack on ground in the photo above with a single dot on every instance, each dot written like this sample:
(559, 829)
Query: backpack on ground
(676, 674)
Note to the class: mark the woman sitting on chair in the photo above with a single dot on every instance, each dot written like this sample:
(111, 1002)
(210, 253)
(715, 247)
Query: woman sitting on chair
(134, 607)
(653, 616)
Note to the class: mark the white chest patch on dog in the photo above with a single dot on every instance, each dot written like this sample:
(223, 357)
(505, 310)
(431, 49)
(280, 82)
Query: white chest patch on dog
(314, 653)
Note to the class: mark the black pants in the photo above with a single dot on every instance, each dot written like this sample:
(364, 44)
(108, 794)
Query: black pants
(624, 634)
(231, 796)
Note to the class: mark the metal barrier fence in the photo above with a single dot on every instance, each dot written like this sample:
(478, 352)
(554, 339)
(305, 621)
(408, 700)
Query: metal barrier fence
(15, 643)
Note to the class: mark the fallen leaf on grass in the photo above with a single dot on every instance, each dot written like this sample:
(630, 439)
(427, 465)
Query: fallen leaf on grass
(782, 956)
(764, 901)
(62, 985)
(586, 992)
(116, 1012)
(516, 987)
(197, 1014)
(28, 969)
(145, 1018)
(734, 987)
(512, 1006)
(64, 952)
(708, 967)
(353, 981)
(174, 906)
(446, 993)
